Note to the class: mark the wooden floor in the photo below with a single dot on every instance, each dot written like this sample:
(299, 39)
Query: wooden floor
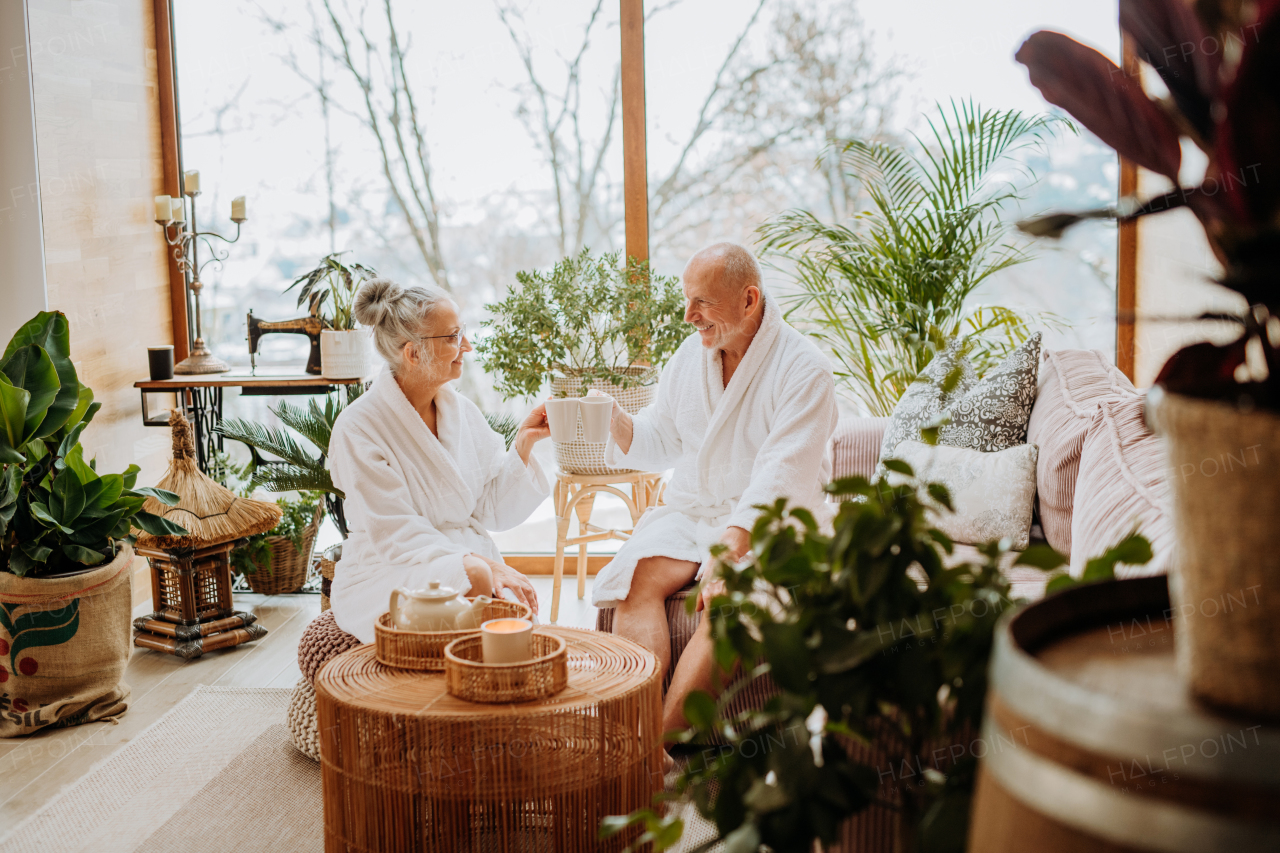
(34, 769)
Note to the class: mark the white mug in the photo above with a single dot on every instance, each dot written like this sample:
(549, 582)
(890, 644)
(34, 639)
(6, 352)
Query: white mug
(506, 640)
(596, 415)
(562, 417)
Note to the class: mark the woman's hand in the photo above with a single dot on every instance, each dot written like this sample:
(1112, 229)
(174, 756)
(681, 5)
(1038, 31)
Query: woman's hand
(490, 577)
(533, 429)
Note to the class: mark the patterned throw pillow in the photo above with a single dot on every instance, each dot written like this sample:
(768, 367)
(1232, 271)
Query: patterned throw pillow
(924, 400)
(992, 493)
(993, 414)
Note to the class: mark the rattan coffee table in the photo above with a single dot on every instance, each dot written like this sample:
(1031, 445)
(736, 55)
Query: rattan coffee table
(407, 767)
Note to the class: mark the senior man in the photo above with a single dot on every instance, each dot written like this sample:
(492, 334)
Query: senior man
(744, 412)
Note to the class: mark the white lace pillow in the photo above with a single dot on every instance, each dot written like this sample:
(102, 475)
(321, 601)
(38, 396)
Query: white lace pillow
(992, 493)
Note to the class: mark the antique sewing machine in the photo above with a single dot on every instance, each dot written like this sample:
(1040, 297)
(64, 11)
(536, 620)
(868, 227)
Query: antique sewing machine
(310, 326)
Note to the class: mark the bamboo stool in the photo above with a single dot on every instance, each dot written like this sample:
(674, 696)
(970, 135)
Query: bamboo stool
(408, 767)
(576, 493)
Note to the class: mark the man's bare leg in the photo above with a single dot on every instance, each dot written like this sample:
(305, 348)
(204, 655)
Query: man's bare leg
(693, 672)
(642, 615)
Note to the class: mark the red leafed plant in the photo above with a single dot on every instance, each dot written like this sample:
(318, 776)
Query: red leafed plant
(1220, 61)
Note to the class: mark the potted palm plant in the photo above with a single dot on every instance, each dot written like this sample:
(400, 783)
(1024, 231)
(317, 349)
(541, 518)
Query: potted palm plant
(588, 323)
(66, 536)
(329, 291)
(1213, 403)
(888, 290)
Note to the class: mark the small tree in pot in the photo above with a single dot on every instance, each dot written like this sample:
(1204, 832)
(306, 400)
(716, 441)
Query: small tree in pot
(1221, 64)
(65, 542)
(590, 322)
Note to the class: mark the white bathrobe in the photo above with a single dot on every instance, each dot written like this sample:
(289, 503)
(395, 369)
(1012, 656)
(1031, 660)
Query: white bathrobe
(417, 505)
(763, 437)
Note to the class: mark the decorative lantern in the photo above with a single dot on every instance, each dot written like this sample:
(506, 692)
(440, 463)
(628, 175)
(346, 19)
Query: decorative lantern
(191, 574)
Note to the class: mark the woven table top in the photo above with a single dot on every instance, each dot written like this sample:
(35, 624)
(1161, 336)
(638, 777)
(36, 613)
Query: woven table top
(602, 668)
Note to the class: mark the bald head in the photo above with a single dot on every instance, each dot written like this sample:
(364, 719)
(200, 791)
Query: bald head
(727, 265)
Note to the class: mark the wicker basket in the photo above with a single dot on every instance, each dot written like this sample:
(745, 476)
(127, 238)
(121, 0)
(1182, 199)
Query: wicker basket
(288, 570)
(424, 650)
(468, 677)
(580, 457)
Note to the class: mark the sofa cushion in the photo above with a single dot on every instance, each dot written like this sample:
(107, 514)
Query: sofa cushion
(1122, 484)
(925, 399)
(993, 414)
(992, 493)
(855, 447)
(1072, 384)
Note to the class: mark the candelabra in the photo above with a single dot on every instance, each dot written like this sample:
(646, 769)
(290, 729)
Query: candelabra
(184, 239)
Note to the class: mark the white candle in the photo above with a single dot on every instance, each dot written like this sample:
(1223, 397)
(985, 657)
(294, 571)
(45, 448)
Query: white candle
(237, 209)
(506, 640)
(164, 210)
(191, 182)
(179, 212)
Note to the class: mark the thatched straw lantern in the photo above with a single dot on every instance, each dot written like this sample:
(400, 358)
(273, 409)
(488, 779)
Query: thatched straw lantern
(191, 574)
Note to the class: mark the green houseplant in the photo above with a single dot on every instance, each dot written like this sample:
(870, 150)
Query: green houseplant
(589, 322)
(1220, 63)
(65, 542)
(887, 291)
(871, 639)
(329, 291)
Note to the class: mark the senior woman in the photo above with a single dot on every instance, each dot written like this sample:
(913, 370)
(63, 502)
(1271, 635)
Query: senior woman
(425, 477)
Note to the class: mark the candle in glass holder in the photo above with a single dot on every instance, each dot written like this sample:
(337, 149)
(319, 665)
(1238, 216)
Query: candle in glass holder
(191, 182)
(164, 208)
(237, 209)
(506, 640)
(179, 212)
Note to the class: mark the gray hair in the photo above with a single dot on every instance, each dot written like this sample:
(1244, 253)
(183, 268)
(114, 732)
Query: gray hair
(396, 314)
(738, 267)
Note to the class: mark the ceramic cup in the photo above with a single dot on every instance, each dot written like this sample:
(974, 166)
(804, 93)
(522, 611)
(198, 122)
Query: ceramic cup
(596, 414)
(562, 417)
(506, 640)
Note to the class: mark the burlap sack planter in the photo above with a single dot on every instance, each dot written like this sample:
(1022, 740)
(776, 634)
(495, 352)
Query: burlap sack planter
(1224, 586)
(64, 646)
(579, 457)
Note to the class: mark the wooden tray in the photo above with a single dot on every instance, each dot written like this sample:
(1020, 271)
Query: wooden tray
(468, 677)
(424, 650)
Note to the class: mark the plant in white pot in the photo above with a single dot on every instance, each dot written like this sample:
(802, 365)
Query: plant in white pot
(329, 291)
(589, 323)
(66, 556)
(1217, 406)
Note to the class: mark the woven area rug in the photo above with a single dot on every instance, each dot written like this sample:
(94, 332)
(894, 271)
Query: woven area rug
(216, 773)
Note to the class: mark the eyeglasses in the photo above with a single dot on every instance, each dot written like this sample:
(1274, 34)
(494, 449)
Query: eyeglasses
(455, 338)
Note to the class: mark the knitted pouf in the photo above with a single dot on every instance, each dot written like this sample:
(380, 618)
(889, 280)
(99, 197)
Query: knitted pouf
(304, 729)
(322, 641)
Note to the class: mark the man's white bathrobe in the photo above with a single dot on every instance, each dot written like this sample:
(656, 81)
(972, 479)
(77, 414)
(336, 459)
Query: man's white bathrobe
(763, 437)
(416, 505)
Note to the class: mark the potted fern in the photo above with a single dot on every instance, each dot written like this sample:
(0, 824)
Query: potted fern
(329, 291)
(588, 323)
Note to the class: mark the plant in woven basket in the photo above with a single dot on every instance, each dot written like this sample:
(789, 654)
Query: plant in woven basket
(869, 638)
(298, 514)
(329, 290)
(591, 318)
(57, 513)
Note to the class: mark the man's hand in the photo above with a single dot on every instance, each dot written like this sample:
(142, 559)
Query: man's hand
(710, 589)
(738, 541)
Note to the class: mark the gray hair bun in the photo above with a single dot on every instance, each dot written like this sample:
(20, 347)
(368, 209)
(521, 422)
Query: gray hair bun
(375, 300)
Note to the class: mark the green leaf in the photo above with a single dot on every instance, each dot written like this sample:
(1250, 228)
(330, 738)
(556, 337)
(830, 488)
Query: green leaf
(130, 476)
(13, 419)
(157, 525)
(1133, 550)
(41, 512)
(941, 494)
(112, 488)
(1058, 583)
(1041, 556)
(784, 646)
(700, 710)
(31, 368)
(744, 839)
(165, 497)
(37, 628)
(67, 486)
(82, 555)
(898, 466)
(48, 330)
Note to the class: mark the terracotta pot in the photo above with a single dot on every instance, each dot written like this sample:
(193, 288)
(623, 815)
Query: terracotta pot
(1224, 465)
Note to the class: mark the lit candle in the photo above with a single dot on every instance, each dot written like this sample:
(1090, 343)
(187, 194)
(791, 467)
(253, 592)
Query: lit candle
(191, 182)
(506, 640)
(179, 212)
(237, 209)
(164, 209)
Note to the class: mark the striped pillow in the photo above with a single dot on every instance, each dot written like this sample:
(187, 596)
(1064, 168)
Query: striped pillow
(1123, 484)
(1072, 384)
(855, 447)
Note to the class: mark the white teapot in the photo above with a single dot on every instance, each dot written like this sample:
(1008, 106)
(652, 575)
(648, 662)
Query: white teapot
(436, 608)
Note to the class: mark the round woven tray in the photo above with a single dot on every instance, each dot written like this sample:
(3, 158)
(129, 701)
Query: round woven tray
(408, 767)
(468, 677)
(424, 650)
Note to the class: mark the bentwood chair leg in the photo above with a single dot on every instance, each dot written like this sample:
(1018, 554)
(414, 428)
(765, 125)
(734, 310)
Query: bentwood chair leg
(562, 529)
(584, 518)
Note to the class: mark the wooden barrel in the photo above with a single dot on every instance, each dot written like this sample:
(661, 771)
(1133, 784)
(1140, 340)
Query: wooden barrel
(1091, 741)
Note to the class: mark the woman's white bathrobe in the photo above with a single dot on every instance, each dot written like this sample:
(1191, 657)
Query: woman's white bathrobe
(763, 437)
(416, 505)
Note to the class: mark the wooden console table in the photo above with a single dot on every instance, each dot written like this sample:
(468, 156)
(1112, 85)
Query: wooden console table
(201, 397)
